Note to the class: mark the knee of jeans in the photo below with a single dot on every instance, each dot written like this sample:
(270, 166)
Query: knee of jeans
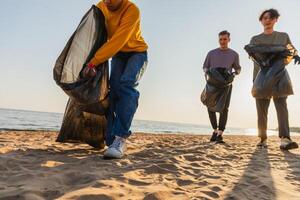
(128, 88)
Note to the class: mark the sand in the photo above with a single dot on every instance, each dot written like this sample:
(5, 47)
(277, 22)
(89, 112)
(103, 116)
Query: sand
(34, 166)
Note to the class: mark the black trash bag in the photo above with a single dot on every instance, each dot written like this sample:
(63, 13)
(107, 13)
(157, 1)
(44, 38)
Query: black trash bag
(217, 90)
(82, 126)
(273, 80)
(84, 118)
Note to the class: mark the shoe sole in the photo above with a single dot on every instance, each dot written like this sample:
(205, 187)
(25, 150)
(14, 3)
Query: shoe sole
(262, 146)
(111, 158)
(290, 146)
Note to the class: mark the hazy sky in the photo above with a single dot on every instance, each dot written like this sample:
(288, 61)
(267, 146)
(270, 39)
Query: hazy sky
(179, 34)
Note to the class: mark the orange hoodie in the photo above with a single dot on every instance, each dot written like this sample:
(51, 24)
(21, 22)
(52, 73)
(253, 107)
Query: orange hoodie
(124, 32)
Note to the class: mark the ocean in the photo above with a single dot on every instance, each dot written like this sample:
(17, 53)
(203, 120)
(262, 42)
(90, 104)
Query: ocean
(32, 120)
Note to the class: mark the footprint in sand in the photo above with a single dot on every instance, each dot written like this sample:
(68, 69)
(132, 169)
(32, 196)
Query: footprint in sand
(202, 183)
(211, 194)
(191, 158)
(78, 179)
(52, 194)
(138, 183)
(93, 197)
(166, 195)
(161, 169)
(98, 185)
(195, 164)
(216, 189)
(183, 182)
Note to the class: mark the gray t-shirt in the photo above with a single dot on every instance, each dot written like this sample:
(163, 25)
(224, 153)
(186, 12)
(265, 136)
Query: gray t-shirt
(276, 38)
(218, 58)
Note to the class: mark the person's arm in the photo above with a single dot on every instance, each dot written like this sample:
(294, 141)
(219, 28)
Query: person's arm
(294, 52)
(206, 64)
(119, 38)
(236, 64)
(252, 41)
(291, 46)
(256, 67)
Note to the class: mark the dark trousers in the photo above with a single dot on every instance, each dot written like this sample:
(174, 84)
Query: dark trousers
(262, 106)
(223, 115)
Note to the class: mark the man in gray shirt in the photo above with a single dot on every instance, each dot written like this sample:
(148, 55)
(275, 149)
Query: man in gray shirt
(225, 59)
(270, 37)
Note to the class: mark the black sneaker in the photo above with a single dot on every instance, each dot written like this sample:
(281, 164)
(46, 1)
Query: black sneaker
(219, 139)
(214, 137)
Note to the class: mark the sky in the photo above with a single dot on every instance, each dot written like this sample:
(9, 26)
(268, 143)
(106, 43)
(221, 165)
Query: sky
(179, 34)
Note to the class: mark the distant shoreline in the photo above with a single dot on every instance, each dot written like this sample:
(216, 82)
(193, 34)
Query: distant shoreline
(292, 129)
(26, 120)
(26, 130)
(295, 129)
(7, 130)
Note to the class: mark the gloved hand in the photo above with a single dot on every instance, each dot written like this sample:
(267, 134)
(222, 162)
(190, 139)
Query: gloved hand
(237, 71)
(296, 59)
(89, 71)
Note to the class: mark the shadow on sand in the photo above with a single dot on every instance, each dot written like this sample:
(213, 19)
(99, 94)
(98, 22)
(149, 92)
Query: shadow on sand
(293, 161)
(256, 181)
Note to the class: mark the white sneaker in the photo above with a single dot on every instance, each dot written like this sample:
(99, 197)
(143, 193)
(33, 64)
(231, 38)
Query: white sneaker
(287, 144)
(116, 149)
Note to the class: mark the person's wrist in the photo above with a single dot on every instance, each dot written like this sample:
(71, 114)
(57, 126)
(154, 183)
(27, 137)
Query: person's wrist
(91, 65)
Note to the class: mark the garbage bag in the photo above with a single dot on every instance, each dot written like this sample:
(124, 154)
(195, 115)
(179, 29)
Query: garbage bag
(84, 118)
(273, 80)
(217, 90)
(82, 126)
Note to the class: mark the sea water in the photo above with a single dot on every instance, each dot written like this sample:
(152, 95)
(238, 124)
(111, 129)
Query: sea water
(32, 120)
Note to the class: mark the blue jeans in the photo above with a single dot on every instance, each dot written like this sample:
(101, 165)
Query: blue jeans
(126, 71)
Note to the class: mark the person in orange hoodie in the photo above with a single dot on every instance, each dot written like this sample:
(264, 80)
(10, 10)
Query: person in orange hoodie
(128, 51)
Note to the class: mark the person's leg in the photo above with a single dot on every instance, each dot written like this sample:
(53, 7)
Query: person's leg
(282, 117)
(118, 64)
(283, 124)
(224, 114)
(128, 95)
(262, 106)
(213, 122)
(126, 102)
(213, 119)
(223, 118)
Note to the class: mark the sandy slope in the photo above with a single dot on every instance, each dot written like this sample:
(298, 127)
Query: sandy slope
(33, 166)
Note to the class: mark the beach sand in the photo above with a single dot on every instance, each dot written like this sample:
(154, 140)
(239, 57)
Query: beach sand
(34, 166)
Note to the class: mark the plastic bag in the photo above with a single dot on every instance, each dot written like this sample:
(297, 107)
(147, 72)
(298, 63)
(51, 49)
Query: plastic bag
(84, 118)
(273, 79)
(217, 89)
